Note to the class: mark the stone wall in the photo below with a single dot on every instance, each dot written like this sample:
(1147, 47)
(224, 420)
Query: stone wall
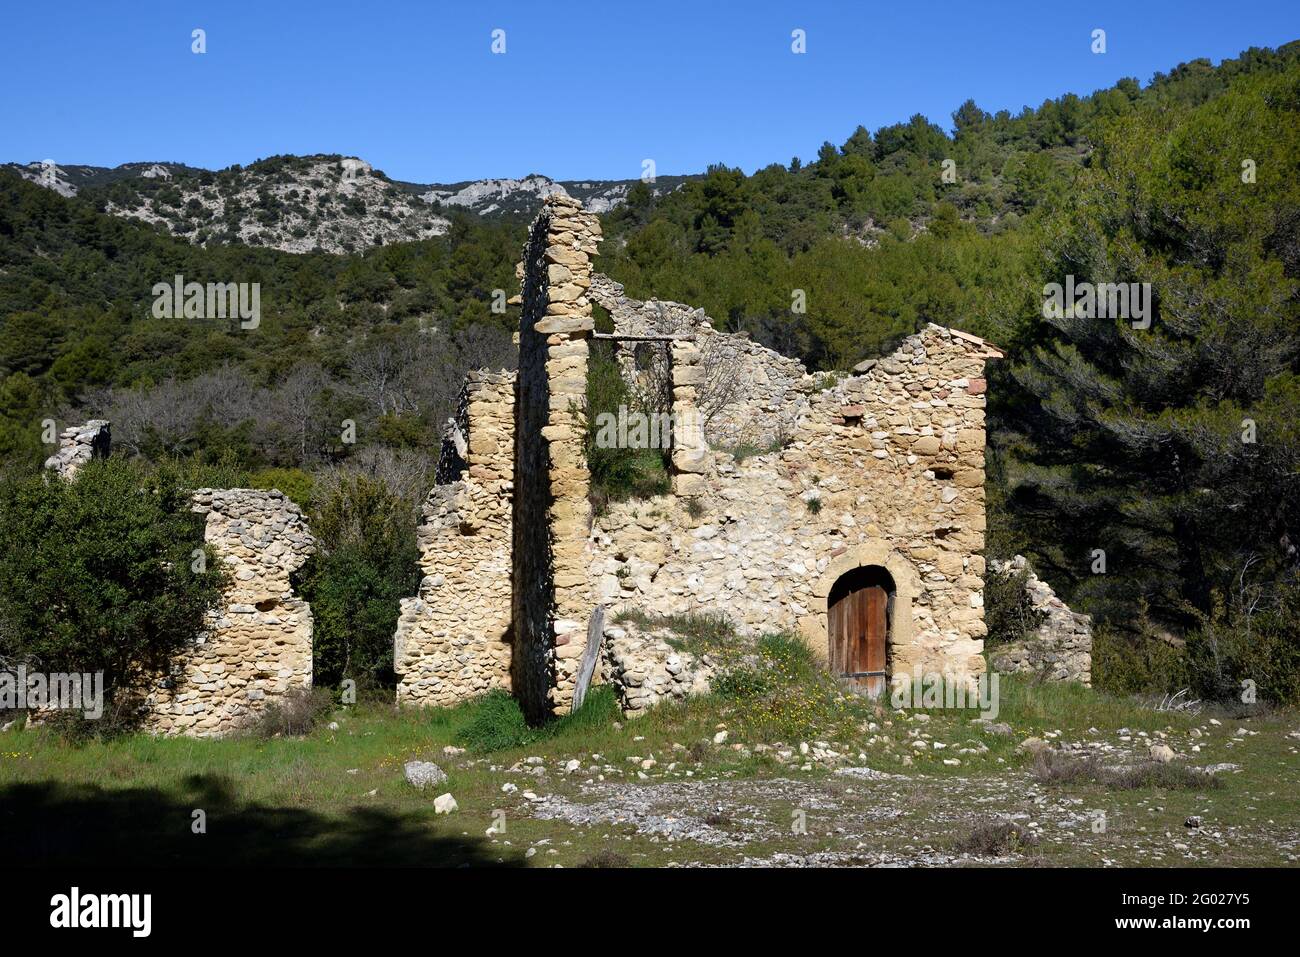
(885, 468)
(256, 645)
(552, 599)
(453, 639)
(747, 394)
(645, 670)
(78, 445)
(1060, 648)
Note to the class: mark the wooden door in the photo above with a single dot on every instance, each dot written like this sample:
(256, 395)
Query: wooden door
(858, 629)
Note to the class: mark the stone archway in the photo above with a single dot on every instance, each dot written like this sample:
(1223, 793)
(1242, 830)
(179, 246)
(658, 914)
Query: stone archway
(901, 650)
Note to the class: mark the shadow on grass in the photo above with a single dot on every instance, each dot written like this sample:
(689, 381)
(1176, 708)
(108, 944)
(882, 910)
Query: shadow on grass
(50, 824)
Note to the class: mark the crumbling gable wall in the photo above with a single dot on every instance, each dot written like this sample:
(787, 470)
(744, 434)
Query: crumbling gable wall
(552, 599)
(748, 394)
(893, 460)
(453, 638)
(256, 645)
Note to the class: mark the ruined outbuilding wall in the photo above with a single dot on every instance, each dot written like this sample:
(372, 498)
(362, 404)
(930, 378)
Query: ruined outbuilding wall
(552, 599)
(80, 444)
(257, 643)
(893, 460)
(1060, 648)
(453, 638)
(748, 394)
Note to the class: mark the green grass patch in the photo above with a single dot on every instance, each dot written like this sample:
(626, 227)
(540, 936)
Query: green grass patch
(496, 722)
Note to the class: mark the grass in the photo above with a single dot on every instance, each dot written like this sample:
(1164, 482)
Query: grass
(747, 450)
(497, 723)
(339, 797)
(698, 633)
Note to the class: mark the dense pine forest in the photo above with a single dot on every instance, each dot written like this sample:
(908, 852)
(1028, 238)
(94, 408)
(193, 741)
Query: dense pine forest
(1172, 451)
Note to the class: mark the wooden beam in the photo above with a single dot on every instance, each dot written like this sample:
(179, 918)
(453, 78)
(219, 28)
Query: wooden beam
(617, 337)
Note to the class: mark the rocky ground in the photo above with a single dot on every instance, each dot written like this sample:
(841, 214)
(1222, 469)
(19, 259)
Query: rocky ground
(692, 783)
(817, 803)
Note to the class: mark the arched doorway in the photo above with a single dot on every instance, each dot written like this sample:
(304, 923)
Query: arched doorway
(859, 618)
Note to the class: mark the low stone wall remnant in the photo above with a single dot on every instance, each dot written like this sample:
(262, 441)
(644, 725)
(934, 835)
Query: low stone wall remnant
(80, 444)
(644, 669)
(1061, 646)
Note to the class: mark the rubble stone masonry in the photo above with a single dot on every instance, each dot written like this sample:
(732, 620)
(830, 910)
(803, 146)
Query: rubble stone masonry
(886, 469)
(78, 445)
(256, 645)
(453, 639)
(746, 394)
(552, 598)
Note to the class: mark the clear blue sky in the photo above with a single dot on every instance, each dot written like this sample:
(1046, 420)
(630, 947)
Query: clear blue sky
(585, 89)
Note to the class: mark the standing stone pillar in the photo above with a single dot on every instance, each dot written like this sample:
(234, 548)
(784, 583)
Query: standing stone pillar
(690, 451)
(553, 596)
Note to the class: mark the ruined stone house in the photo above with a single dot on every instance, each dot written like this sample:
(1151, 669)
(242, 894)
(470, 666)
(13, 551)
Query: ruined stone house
(860, 528)
(854, 517)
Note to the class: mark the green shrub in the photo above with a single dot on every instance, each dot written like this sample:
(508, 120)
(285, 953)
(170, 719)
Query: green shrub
(295, 483)
(1261, 646)
(1125, 663)
(788, 655)
(1008, 612)
(617, 473)
(107, 573)
(497, 723)
(368, 561)
(742, 683)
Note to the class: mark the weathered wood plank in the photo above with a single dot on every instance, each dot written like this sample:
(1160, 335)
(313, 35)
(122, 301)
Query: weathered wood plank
(590, 655)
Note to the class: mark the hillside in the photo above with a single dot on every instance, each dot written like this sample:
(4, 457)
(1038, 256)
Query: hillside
(521, 197)
(300, 204)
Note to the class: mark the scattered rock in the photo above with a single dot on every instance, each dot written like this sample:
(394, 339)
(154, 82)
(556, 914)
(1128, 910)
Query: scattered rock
(444, 804)
(424, 774)
(1162, 753)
